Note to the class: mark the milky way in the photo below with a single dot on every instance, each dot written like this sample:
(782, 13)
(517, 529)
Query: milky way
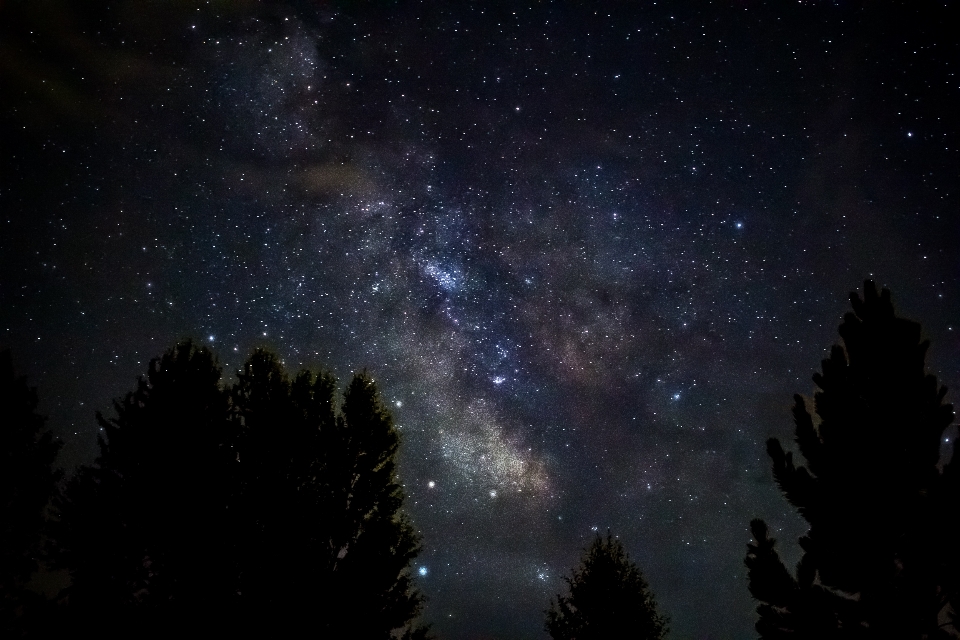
(588, 254)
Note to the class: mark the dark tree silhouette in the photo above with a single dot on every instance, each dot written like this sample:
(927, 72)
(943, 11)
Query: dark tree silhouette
(280, 502)
(608, 598)
(145, 532)
(27, 482)
(324, 540)
(265, 509)
(374, 543)
(880, 557)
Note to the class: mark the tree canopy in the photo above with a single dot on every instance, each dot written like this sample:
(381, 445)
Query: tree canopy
(607, 598)
(265, 506)
(880, 557)
(145, 530)
(321, 507)
(27, 482)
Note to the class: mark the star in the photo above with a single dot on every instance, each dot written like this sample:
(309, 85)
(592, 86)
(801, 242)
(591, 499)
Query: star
(519, 223)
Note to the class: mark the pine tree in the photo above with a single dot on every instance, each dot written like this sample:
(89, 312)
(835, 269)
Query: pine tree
(325, 541)
(262, 509)
(145, 530)
(377, 545)
(280, 503)
(880, 557)
(608, 598)
(27, 482)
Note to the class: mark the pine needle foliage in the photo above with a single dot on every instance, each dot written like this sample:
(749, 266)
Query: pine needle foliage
(607, 597)
(880, 557)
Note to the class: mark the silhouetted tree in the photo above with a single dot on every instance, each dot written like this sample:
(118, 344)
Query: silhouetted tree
(145, 531)
(27, 482)
(281, 450)
(325, 540)
(371, 549)
(608, 598)
(880, 557)
(264, 509)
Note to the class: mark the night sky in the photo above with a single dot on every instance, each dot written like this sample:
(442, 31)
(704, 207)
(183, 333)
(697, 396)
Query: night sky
(589, 251)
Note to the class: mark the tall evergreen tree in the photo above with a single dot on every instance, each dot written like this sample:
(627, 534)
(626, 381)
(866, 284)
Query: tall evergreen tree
(27, 482)
(145, 532)
(880, 558)
(263, 509)
(325, 541)
(281, 506)
(608, 598)
(373, 544)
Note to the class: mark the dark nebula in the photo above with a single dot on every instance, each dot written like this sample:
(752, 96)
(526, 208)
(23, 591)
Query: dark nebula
(588, 250)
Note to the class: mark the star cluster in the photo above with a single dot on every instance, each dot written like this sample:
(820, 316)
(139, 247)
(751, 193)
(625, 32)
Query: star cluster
(589, 251)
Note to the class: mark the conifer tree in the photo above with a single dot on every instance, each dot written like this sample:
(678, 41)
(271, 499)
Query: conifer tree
(27, 482)
(324, 541)
(373, 543)
(880, 556)
(145, 530)
(608, 598)
(265, 509)
(281, 506)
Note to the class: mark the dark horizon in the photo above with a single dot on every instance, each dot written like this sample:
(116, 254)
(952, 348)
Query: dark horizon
(588, 253)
